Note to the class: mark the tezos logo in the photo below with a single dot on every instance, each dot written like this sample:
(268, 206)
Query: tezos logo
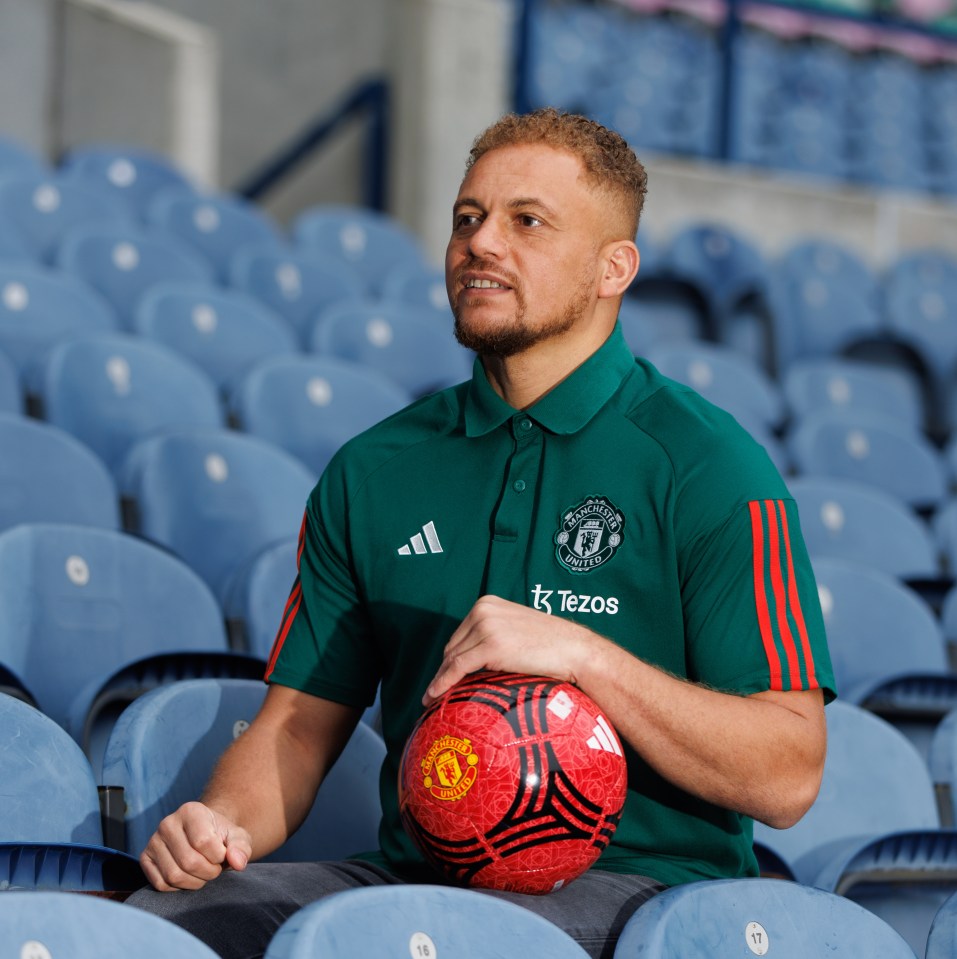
(590, 534)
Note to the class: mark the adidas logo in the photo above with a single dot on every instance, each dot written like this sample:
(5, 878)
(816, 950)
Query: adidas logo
(603, 738)
(425, 542)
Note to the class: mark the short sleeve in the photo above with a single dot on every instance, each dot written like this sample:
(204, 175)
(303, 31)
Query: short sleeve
(752, 613)
(324, 644)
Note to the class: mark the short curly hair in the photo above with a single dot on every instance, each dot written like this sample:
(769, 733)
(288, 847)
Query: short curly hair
(609, 162)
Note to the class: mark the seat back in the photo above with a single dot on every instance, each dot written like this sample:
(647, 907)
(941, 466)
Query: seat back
(310, 405)
(46, 475)
(728, 918)
(423, 920)
(11, 388)
(214, 497)
(163, 748)
(224, 332)
(37, 925)
(110, 390)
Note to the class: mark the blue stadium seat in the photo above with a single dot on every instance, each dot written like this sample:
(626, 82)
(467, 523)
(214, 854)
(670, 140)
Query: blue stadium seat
(11, 389)
(42, 209)
(122, 264)
(724, 377)
(743, 917)
(214, 497)
(224, 332)
(294, 284)
(870, 449)
(836, 383)
(671, 308)
(16, 157)
(854, 521)
(164, 746)
(310, 405)
(942, 761)
(134, 175)
(217, 226)
(831, 261)
(942, 938)
(91, 618)
(258, 594)
(47, 476)
(370, 243)
(887, 648)
(51, 830)
(418, 284)
(409, 346)
(422, 920)
(38, 925)
(110, 390)
(875, 783)
(39, 307)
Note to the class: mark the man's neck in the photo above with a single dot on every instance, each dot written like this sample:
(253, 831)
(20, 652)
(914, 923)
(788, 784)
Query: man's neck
(523, 379)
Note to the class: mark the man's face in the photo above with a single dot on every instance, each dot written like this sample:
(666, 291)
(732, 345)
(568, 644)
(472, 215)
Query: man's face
(522, 263)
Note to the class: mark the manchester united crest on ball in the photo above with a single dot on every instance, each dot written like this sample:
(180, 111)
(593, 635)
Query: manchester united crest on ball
(590, 534)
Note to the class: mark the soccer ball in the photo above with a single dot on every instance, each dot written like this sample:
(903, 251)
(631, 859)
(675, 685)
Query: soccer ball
(512, 782)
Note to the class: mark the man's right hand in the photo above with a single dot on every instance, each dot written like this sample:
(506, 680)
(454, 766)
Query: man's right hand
(192, 846)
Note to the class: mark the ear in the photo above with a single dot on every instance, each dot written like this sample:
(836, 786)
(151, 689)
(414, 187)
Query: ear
(620, 268)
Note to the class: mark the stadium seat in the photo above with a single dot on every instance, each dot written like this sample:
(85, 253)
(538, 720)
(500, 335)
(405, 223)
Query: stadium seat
(51, 830)
(132, 174)
(837, 383)
(673, 309)
(42, 209)
(214, 497)
(418, 284)
(943, 526)
(942, 760)
(310, 405)
(294, 284)
(164, 746)
(728, 918)
(421, 920)
(41, 925)
(370, 243)
(111, 389)
(48, 476)
(16, 157)
(217, 226)
(224, 332)
(875, 783)
(887, 648)
(724, 377)
(854, 521)
(942, 938)
(81, 607)
(11, 389)
(870, 449)
(122, 264)
(830, 261)
(40, 307)
(407, 345)
(257, 595)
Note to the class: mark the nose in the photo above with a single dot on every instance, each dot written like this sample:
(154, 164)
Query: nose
(488, 240)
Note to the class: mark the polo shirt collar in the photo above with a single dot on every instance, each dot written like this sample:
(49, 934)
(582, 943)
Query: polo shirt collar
(566, 408)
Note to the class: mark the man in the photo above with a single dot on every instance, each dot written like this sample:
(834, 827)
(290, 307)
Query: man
(577, 516)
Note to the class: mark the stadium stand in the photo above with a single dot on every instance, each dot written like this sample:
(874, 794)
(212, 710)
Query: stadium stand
(11, 389)
(310, 405)
(224, 332)
(86, 927)
(424, 920)
(942, 938)
(163, 748)
(110, 390)
(46, 475)
(213, 497)
(763, 916)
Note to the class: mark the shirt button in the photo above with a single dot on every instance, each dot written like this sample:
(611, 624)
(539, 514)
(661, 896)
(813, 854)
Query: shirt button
(518, 486)
(526, 425)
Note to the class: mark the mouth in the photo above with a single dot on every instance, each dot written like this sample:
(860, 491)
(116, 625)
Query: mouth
(484, 282)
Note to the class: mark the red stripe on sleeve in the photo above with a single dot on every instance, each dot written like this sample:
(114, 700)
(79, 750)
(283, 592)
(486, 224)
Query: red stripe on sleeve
(777, 584)
(291, 608)
(794, 600)
(760, 598)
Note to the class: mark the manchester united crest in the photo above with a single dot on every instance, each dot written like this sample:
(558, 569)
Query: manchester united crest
(449, 768)
(590, 534)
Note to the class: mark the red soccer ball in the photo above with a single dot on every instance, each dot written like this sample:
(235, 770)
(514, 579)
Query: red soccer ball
(512, 782)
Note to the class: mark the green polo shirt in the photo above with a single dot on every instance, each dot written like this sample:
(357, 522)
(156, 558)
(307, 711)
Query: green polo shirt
(621, 500)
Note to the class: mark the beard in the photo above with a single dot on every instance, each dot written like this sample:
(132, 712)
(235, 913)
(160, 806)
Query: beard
(517, 335)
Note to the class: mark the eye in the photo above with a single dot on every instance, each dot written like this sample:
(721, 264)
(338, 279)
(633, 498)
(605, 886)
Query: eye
(529, 220)
(464, 221)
